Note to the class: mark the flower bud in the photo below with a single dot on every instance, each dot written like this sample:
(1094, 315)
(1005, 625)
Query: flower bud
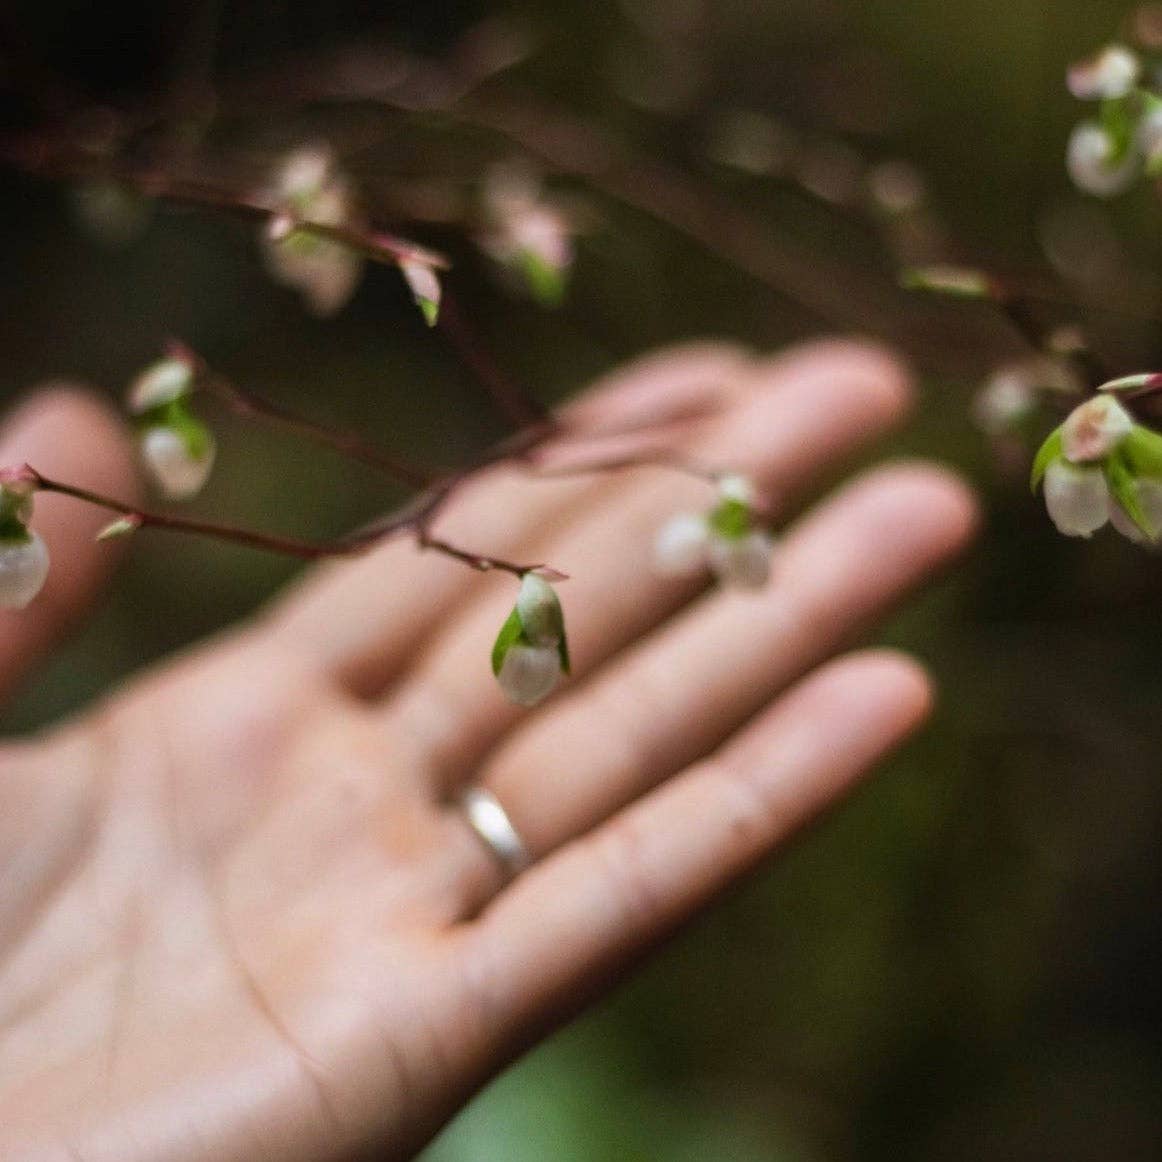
(307, 186)
(1094, 429)
(178, 460)
(23, 569)
(539, 610)
(529, 673)
(1077, 498)
(681, 545)
(531, 652)
(160, 383)
(424, 284)
(1094, 162)
(744, 562)
(1109, 75)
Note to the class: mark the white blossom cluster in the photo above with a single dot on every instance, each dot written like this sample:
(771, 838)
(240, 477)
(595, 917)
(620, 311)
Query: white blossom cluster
(1107, 153)
(1101, 466)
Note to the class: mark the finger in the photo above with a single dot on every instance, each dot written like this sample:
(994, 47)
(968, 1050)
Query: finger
(70, 434)
(363, 620)
(802, 414)
(681, 691)
(568, 926)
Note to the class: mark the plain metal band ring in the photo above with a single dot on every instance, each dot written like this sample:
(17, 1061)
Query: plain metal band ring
(491, 823)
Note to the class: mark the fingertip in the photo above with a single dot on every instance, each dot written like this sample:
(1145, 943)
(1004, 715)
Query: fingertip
(884, 380)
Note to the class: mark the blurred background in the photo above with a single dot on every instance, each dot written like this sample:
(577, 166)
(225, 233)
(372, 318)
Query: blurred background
(964, 961)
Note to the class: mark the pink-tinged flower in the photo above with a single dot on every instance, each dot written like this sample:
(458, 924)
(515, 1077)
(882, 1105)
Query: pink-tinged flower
(1111, 74)
(309, 187)
(1094, 429)
(526, 232)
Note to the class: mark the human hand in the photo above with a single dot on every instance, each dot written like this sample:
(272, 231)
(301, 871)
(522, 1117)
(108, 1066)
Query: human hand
(241, 914)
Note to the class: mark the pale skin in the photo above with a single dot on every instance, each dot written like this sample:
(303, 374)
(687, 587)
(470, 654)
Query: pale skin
(240, 914)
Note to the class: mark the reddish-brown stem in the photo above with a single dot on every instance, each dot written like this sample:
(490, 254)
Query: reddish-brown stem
(247, 404)
(414, 519)
(518, 405)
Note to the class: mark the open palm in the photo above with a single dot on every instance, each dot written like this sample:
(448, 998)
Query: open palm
(242, 917)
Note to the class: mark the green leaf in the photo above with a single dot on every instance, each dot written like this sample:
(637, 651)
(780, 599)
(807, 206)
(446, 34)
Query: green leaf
(1046, 454)
(510, 634)
(1124, 486)
(961, 282)
(731, 519)
(1142, 450)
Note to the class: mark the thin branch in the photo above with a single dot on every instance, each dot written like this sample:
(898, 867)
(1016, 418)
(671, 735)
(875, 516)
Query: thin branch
(37, 156)
(249, 405)
(413, 519)
(516, 403)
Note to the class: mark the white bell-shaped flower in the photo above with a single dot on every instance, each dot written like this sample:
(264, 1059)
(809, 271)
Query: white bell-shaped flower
(529, 673)
(1077, 497)
(743, 562)
(681, 545)
(23, 569)
(1150, 498)
(326, 273)
(1092, 161)
(178, 471)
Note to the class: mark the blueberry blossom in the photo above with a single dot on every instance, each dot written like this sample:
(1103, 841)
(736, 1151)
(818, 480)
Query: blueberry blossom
(727, 540)
(23, 555)
(176, 448)
(531, 652)
(1100, 466)
(309, 187)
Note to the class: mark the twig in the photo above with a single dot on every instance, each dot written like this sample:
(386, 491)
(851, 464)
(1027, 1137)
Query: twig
(247, 404)
(414, 519)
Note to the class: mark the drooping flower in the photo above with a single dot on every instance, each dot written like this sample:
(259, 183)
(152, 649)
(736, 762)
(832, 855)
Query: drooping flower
(309, 187)
(531, 651)
(1097, 163)
(1101, 466)
(726, 540)
(177, 450)
(527, 233)
(23, 555)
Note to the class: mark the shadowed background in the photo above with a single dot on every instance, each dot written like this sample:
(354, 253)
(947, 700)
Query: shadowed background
(961, 963)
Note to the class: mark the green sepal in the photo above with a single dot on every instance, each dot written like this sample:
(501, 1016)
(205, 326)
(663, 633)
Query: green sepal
(430, 309)
(546, 282)
(731, 519)
(1050, 450)
(1124, 486)
(1142, 451)
(175, 415)
(511, 633)
(1118, 121)
(13, 531)
(563, 654)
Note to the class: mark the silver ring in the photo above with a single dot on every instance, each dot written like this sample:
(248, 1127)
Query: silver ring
(491, 823)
